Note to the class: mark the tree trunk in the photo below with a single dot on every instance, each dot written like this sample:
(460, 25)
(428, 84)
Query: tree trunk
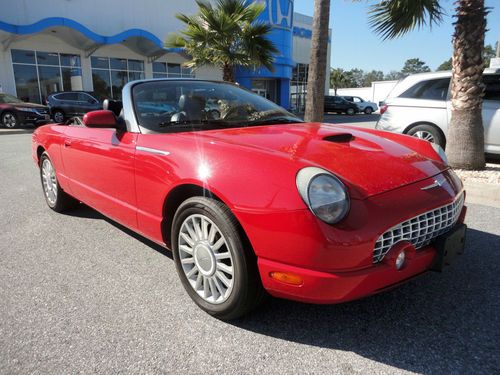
(317, 68)
(228, 72)
(465, 144)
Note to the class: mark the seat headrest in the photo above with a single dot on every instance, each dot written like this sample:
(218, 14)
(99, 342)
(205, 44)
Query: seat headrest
(191, 103)
(114, 106)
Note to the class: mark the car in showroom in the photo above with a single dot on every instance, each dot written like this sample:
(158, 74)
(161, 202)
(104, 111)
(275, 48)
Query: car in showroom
(337, 104)
(420, 105)
(257, 201)
(67, 104)
(363, 105)
(14, 112)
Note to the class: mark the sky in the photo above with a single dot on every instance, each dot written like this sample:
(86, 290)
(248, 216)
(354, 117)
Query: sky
(354, 45)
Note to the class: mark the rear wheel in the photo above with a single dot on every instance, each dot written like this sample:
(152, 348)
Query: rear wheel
(9, 120)
(428, 133)
(58, 116)
(56, 198)
(216, 267)
(350, 111)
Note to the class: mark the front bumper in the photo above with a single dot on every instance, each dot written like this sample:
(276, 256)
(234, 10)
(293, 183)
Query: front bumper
(336, 263)
(33, 118)
(335, 287)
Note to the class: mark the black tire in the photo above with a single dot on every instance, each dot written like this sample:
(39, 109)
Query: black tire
(420, 131)
(63, 201)
(9, 120)
(247, 291)
(350, 111)
(59, 116)
(368, 110)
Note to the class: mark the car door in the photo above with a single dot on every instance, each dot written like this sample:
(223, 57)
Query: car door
(328, 106)
(69, 103)
(99, 164)
(339, 103)
(491, 113)
(86, 103)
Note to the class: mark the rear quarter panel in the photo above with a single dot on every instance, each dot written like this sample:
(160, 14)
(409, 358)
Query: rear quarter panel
(50, 138)
(403, 113)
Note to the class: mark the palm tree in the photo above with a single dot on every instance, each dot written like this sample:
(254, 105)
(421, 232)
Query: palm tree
(317, 67)
(393, 18)
(225, 35)
(337, 79)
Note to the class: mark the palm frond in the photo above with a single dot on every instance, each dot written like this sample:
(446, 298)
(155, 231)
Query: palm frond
(393, 18)
(226, 33)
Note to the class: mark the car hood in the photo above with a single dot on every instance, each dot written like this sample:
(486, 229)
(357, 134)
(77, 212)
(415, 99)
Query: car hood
(367, 162)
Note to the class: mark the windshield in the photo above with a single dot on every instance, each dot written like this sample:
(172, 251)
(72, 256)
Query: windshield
(6, 98)
(170, 106)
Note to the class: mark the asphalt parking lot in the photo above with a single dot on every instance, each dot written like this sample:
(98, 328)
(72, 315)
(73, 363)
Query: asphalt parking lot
(81, 294)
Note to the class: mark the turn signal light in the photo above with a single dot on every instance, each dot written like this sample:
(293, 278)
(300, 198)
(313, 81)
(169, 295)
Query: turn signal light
(287, 278)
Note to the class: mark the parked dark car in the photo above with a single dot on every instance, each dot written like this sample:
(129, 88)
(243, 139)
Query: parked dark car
(338, 104)
(14, 112)
(68, 104)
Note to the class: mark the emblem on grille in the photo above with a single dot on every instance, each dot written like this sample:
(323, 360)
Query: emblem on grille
(437, 182)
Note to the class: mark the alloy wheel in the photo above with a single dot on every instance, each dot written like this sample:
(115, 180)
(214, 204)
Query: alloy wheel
(9, 120)
(206, 259)
(58, 117)
(422, 134)
(49, 181)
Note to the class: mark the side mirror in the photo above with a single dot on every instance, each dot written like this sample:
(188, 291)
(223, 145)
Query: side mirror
(100, 119)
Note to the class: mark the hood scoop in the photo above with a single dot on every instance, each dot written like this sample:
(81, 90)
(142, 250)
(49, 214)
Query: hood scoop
(339, 138)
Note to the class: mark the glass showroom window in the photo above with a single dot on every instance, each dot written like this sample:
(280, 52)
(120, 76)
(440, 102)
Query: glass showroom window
(38, 74)
(168, 70)
(298, 87)
(109, 75)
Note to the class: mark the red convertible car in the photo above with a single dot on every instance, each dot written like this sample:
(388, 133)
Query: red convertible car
(251, 199)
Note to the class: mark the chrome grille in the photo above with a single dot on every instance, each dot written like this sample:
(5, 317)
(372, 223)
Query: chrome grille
(421, 229)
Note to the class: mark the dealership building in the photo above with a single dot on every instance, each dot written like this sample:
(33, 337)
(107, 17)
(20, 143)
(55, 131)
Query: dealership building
(91, 45)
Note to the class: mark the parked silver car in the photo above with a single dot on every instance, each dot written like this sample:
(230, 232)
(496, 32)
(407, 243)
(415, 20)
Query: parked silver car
(363, 105)
(420, 105)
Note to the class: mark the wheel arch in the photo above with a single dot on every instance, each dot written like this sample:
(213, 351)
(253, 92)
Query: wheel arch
(179, 194)
(411, 126)
(39, 151)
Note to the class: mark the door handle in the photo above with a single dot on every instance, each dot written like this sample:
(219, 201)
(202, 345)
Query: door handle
(67, 143)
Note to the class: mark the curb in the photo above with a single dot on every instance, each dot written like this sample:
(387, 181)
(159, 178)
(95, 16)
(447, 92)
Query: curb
(482, 193)
(16, 131)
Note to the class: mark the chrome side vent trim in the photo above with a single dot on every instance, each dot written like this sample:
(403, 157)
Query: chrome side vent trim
(152, 150)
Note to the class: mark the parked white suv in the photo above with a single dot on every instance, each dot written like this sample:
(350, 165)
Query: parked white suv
(420, 105)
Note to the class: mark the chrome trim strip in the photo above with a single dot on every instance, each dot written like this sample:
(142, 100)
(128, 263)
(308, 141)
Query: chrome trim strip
(152, 150)
(436, 183)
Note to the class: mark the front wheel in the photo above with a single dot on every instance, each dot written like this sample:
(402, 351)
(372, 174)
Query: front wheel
(56, 198)
(9, 120)
(368, 110)
(215, 264)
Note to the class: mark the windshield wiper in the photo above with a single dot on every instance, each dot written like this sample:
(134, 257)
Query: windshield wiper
(274, 120)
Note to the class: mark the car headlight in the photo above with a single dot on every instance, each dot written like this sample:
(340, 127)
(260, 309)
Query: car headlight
(439, 150)
(24, 109)
(324, 194)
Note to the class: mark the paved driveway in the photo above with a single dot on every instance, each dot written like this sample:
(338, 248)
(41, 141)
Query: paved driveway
(81, 294)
